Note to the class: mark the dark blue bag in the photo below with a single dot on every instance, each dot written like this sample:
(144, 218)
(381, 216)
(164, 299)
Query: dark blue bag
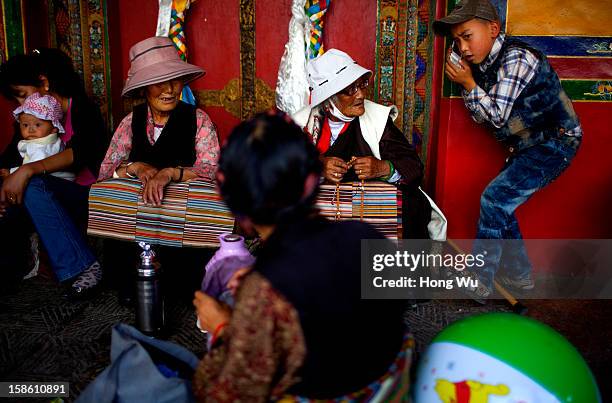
(143, 369)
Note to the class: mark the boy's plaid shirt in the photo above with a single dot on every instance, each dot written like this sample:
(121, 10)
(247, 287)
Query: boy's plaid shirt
(517, 69)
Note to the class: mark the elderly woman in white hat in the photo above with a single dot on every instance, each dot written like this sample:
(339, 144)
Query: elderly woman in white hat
(164, 139)
(357, 138)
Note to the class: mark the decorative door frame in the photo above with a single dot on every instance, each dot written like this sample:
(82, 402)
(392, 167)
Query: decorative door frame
(404, 60)
(79, 28)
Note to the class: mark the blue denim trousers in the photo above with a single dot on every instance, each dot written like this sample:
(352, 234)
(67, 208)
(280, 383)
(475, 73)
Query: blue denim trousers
(523, 174)
(58, 210)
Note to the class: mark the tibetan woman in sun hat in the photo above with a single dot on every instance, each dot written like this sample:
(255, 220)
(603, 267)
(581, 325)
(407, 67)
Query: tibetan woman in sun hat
(162, 140)
(358, 140)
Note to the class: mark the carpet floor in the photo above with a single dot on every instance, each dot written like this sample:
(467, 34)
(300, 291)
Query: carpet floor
(43, 337)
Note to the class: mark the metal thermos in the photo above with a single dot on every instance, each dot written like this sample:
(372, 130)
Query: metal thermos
(150, 315)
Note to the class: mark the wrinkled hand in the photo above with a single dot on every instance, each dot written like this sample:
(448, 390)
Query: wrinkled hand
(143, 171)
(153, 189)
(334, 169)
(461, 75)
(236, 279)
(211, 312)
(370, 168)
(14, 185)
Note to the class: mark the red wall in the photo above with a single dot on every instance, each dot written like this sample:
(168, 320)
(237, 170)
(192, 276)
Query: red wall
(576, 205)
(464, 158)
(6, 122)
(213, 39)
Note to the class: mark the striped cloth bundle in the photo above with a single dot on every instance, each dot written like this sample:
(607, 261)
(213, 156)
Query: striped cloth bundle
(377, 203)
(192, 214)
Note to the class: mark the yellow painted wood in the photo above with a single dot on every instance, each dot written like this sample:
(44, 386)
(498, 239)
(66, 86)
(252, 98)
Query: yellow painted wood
(560, 17)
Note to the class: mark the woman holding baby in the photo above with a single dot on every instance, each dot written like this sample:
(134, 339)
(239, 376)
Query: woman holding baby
(51, 187)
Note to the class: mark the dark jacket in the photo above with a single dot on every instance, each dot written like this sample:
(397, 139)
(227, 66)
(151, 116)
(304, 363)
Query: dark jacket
(91, 136)
(176, 143)
(542, 110)
(393, 147)
(350, 341)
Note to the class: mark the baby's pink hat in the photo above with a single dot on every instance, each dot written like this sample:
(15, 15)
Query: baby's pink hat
(44, 107)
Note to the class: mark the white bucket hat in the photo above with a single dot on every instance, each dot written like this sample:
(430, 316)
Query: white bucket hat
(330, 73)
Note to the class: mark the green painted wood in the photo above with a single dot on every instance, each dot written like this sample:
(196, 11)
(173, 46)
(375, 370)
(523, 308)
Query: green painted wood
(14, 27)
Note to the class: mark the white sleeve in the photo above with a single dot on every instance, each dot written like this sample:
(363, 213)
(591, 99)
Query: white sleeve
(37, 152)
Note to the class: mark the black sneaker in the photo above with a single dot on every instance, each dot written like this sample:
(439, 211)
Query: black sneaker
(75, 293)
(480, 292)
(519, 284)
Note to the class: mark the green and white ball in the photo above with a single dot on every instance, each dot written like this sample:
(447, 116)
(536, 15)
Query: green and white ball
(501, 357)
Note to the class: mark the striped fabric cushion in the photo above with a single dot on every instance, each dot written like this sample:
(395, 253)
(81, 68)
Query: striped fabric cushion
(192, 214)
(206, 217)
(377, 203)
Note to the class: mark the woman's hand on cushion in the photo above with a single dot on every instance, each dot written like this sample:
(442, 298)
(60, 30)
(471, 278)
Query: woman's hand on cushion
(211, 312)
(143, 171)
(334, 168)
(153, 191)
(370, 168)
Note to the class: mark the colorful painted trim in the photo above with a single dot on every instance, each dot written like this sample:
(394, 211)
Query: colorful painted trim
(247, 59)
(588, 90)
(580, 68)
(177, 34)
(583, 46)
(13, 27)
(594, 90)
(80, 29)
(3, 49)
(315, 10)
(403, 59)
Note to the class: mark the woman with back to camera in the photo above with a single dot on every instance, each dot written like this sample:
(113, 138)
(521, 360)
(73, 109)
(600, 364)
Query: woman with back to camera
(298, 323)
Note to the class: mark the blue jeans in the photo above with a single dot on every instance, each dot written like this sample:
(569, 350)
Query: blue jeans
(524, 174)
(58, 209)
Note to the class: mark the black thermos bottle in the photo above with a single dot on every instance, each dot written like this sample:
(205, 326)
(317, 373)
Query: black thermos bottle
(150, 316)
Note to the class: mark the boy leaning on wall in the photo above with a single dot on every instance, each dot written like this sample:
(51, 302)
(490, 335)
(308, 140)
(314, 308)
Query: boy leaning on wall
(510, 87)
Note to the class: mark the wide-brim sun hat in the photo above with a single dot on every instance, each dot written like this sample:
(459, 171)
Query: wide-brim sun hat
(330, 73)
(44, 107)
(155, 60)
